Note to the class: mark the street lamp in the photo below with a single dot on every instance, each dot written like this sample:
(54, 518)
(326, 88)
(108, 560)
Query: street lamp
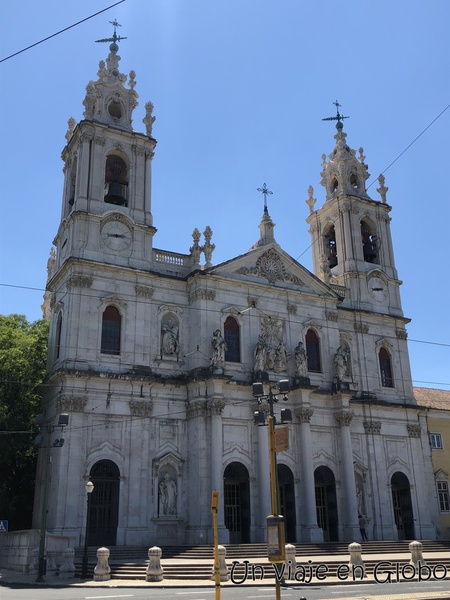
(89, 487)
(275, 522)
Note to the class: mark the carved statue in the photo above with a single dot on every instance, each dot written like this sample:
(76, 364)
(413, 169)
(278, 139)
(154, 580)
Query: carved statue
(281, 357)
(167, 496)
(340, 363)
(169, 338)
(301, 363)
(219, 347)
(260, 355)
(149, 119)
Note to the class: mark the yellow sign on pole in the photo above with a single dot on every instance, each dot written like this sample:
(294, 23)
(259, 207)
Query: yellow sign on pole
(281, 439)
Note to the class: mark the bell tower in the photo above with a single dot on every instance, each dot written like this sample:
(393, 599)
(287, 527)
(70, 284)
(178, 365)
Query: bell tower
(106, 207)
(351, 236)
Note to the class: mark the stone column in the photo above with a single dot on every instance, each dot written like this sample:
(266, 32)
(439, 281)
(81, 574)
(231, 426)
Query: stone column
(216, 408)
(350, 526)
(310, 530)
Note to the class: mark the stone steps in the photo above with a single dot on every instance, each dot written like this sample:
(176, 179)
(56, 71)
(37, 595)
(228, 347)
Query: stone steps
(195, 563)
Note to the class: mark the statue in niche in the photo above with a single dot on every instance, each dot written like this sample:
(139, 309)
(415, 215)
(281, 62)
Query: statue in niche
(219, 347)
(301, 363)
(167, 496)
(340, 363)
(259, 355)
(169, 338)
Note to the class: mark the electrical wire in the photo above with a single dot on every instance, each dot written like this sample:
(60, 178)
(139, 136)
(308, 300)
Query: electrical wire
(59, 32)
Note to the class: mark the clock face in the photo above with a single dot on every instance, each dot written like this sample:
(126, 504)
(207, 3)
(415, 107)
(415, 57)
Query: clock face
(116, 235)
(378, 289)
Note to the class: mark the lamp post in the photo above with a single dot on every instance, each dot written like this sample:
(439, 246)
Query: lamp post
(89, 487)
(275, 522)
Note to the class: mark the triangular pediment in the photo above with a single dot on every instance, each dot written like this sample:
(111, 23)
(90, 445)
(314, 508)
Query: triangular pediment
(272, 265)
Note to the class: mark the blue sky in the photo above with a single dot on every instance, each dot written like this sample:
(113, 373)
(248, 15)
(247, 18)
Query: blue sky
(240, 88)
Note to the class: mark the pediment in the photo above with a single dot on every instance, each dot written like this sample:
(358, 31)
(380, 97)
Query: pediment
(271, 265)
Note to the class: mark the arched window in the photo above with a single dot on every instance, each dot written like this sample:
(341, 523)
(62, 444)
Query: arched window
(111, 325)
(330, 247)
(313, 351)
(232, 340)
(369, 242)
(116, 181)
(58, 336)
(385, 368)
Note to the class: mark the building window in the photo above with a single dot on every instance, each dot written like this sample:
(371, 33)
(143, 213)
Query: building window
(313, 351)
(436, 441)
(232, 340)
(443, 496)
(111, 324)
(58, 336)
(385, 368)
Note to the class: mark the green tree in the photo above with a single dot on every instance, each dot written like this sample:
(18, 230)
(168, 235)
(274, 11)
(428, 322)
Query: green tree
(23, 355)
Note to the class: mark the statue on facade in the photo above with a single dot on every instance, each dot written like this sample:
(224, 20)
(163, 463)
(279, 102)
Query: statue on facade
(281, 357)
(259, 355)
(301, 362)
(167, 496)
(340, 363)
(219, 347)
(169, 338)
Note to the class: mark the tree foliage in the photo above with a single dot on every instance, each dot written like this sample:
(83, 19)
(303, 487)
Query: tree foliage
(23, 354)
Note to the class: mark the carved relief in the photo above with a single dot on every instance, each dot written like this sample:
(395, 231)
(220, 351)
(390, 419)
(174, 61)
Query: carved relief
(270, 266)
(81, 281)
(372, 426)
(361, 328)
(144, 291)
(71, 403)
(170, 345)
(271, 353)
(141, 408)
(413, 430)
(201, 295)
(401, 334)
(331, 316)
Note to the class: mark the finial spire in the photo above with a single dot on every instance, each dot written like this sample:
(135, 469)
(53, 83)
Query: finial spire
(338, 117)
(115, 38)
(265, 191)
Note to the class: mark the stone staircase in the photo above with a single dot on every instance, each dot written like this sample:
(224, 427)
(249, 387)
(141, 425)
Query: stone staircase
(195, 563)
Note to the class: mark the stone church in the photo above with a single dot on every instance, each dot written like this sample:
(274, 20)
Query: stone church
(153, 354)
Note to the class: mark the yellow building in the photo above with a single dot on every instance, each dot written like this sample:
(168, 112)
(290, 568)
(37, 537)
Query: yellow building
(437, 403)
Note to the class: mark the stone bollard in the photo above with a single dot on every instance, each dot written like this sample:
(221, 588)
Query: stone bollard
(102, 570)
(34, 564)
(416, 553)
(154, 569)
(67, 568)
(356, 563)
(223, 569)
(51, 563)
(291, 563)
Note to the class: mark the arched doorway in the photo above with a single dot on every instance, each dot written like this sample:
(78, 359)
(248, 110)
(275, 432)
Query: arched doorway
(237, 503)
(104, 504)
(326, 503)
(287, 500)
(402, 505)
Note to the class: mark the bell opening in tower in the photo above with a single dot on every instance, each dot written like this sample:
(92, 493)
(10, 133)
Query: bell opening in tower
(116, 183)
(369, 242)
(330, 247)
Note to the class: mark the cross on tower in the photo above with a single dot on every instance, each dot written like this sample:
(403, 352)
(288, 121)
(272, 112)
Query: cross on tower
(265, 191)
(338, 116)
(115, 38)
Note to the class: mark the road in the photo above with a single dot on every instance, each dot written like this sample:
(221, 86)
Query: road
(408, 590)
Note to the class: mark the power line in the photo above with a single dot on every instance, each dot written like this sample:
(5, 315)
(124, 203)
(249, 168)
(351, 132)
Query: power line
(413, 142)
(61, 31)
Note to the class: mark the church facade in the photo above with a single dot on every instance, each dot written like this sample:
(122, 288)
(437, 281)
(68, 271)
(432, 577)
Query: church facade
(153, 355)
